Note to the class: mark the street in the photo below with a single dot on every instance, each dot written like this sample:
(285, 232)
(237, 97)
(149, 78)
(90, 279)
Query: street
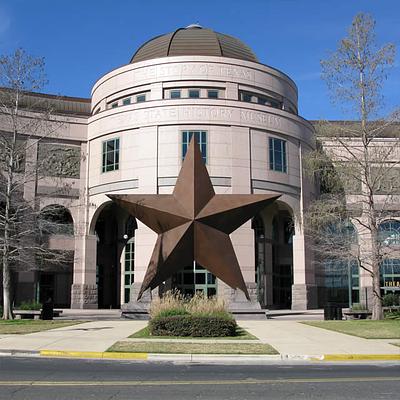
(59, 379)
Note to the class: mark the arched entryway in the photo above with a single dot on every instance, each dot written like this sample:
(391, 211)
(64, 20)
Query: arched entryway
(273, 249)
(114, 229)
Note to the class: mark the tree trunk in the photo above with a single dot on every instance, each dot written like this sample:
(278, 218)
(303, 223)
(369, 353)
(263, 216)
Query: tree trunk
(7, 309)
(377, 311)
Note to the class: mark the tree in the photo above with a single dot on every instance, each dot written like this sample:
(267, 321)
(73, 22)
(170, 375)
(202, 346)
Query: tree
(26, 121)
(357, 162)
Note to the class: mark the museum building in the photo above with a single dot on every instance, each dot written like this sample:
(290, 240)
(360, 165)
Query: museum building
(131, 136)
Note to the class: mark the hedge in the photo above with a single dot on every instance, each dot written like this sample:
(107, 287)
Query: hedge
(193, 325)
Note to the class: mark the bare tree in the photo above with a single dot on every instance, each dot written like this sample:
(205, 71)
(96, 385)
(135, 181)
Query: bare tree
(357, 162)
(26, 121)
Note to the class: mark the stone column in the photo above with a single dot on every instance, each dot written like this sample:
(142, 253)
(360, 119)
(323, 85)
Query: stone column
(84, 287)
(304, 289)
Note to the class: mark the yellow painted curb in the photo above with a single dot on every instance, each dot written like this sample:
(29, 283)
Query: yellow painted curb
(94, 354)
(360, 357)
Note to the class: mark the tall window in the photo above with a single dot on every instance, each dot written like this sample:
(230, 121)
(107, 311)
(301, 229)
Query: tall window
(201, 137)
(390, 274)
(129, 258)
(277, 155)
(389, 232)
(110, 159)
(129, 273)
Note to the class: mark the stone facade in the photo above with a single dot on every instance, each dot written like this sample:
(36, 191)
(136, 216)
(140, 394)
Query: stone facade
(130, 139)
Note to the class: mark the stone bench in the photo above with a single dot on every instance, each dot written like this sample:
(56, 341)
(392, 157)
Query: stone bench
(27, 314)
(357, 314)
(33, 314)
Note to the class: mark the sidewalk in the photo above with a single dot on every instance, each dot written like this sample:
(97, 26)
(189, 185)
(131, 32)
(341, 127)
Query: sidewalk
(89, 336)
(291, 339)
(294, 338)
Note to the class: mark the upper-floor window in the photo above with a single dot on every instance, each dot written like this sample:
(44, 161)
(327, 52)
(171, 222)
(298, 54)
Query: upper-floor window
(389, 232)
(140, 98)
(212, 94)
(114, 105)
(201, 137)
(110, 159)
(277, 155)
(246, 97)
(175, 94)
(264, 100)
(126, 101)
(194, 93)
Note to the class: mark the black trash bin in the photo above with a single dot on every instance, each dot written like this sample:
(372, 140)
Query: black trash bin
(47, 310)
(333, 311)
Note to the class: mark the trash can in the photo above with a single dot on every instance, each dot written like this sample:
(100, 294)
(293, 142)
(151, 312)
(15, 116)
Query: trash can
(47, 310)
(333, 311)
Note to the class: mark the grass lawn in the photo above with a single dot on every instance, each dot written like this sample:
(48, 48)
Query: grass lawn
(386, 329)
(22, 326)
(192, 348)
(145, 334)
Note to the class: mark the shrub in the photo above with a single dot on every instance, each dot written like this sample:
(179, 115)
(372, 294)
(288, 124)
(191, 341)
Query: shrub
(175, 315)
(29, 305)
(391, 299)
(193, 325)
(172, 303)
(201, 305)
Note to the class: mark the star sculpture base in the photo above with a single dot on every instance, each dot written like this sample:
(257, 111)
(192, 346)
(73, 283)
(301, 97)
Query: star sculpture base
(193, 224)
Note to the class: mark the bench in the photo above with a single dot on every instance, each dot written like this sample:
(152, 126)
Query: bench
(357, 314)
(33, 314)
(27, 314)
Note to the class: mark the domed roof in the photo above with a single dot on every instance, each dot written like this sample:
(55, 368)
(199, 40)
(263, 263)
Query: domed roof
(194, 40)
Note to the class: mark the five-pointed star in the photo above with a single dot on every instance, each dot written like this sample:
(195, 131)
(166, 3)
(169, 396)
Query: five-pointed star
(193, 224)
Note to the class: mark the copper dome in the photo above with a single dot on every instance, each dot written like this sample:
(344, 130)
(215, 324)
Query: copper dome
(194, 40)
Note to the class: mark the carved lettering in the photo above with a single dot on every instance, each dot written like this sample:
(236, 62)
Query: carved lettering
(260, 118)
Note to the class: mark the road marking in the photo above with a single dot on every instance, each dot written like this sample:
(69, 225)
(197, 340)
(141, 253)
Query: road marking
(200, 382)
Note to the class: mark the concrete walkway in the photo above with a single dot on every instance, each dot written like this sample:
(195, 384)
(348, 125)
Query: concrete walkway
(287, 337)
(295, 338)
(89, 336)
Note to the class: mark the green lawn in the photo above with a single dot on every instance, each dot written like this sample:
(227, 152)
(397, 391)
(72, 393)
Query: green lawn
(23, 326)
(386, 329)
(145, 334)
(192, 348)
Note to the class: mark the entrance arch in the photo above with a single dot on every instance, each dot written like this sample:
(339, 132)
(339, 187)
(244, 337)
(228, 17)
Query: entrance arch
(273, 249)
(114, 229)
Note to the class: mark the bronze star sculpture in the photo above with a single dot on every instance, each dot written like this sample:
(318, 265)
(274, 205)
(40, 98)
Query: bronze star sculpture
(193, 224)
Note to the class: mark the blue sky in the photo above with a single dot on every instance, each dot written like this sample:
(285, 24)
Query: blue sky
(82, 40)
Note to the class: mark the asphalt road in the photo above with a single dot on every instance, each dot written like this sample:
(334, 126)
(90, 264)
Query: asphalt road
(59, 379)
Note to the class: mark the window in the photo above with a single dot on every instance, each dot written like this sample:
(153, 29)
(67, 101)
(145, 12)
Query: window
(212, 94)
(390, 275)
(277, 155)
(140, 98)
(246, 97)
(129, 273)
(201, 137)
(126, 101)
(389, 232)
(110, 160)
(114, 105)
(194, 93)
(175, 94)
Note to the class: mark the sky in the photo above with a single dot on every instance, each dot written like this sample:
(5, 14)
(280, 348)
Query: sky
(81, 40)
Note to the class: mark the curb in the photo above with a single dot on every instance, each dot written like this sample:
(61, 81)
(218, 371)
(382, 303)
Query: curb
(360, 357)
(94, 354)
(170, 357)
